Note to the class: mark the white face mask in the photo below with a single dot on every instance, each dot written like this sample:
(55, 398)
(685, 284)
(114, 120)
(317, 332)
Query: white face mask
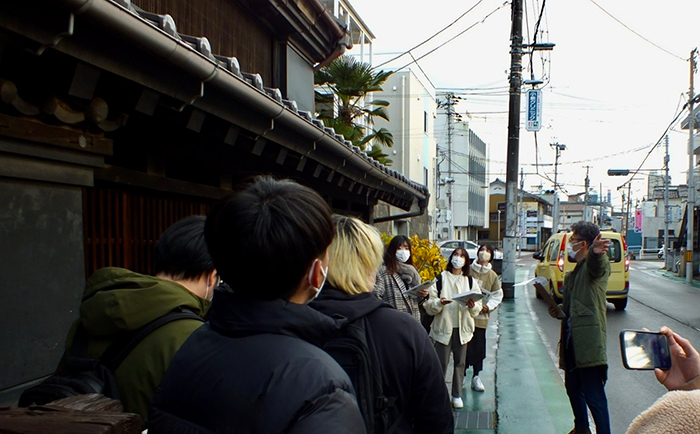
(403, 255)
(325, 276)
(570, 250)
(484, 256)
(457, 262)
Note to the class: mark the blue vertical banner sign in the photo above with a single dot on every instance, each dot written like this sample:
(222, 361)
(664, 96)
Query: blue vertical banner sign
(534, 110)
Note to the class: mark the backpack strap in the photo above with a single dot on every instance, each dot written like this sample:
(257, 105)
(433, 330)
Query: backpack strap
(438, 284)
(117, 351)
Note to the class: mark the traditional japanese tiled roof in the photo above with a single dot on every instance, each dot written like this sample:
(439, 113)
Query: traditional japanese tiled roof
(207, 81)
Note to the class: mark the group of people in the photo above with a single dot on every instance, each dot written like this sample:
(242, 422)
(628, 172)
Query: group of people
(296, 277)
(455, 328)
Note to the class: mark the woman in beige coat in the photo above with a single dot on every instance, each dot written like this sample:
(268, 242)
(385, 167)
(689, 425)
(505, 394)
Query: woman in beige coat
(491, 286)
(453, 325)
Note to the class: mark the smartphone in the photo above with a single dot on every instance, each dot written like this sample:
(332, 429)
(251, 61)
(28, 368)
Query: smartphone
(644, 350)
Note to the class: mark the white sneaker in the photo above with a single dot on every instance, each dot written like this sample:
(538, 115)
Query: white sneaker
(457, 403)
(477, 384)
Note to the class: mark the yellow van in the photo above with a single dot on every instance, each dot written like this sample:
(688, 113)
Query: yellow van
(554, 264)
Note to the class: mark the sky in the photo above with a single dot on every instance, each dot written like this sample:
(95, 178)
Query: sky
(617, 77)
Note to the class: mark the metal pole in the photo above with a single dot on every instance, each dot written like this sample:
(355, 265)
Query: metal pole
(521, 222)
(629, 205)
(516, 67)
(600, 205)
(585, 195)
(691, 176)
(450, 223)
(666, 216)
(558, 148)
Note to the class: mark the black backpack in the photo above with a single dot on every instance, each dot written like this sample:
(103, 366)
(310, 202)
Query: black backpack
(427, 320)
(82, 374)
(356, 353)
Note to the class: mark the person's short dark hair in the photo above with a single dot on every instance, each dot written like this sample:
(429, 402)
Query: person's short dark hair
(264, 238)
(390, 260)
(467, 261)
(181, 252)
(488, 249)
(586, 231)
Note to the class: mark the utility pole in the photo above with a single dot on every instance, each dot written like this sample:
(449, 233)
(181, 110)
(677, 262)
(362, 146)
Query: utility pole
(585, 195)
(448, 104)
(667, 158)
(516, 68)
(629, 205)
(623, 226)
(558, 148)
(521, 222)
(691, 175)
(600, 205)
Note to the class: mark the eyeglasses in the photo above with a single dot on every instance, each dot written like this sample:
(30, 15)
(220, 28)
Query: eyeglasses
(575, 240)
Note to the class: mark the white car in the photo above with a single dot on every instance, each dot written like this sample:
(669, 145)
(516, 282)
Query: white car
(448, 246)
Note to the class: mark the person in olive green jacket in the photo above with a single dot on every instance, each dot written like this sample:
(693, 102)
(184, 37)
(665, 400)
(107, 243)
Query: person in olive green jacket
(117, 300)
(582, 351)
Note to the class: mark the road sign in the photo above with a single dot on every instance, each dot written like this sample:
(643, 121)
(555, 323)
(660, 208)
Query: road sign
(534, 110)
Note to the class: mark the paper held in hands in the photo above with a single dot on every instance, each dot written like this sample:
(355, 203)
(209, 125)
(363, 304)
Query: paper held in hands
(540, 282)
(413, 292)
(464, 297)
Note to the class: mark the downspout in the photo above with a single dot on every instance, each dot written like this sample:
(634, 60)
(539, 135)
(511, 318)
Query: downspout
(420, 212)
(339, 51)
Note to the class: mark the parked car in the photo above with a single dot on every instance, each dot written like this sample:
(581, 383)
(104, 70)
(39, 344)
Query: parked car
(554, 264)
(448, 246)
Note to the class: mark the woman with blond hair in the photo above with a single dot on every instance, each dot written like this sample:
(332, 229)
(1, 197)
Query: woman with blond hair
(412, 372)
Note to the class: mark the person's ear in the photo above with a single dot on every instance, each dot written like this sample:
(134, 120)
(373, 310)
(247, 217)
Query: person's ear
(213, 279)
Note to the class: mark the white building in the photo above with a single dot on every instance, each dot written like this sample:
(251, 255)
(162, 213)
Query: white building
(411, 113)
(462, 189)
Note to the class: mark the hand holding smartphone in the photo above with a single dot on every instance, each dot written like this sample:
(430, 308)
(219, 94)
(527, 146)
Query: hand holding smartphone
(644, 350)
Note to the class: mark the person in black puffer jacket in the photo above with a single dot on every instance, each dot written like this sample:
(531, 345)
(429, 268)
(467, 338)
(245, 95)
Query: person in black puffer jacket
(412, 372)
(256, 367)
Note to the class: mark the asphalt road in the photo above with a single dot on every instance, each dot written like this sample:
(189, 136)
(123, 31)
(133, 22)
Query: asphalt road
(654, 301)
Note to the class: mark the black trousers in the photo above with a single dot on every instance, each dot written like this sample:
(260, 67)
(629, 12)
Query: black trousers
(476, 351)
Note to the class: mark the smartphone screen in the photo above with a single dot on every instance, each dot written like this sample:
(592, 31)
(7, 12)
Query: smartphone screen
(644, 350)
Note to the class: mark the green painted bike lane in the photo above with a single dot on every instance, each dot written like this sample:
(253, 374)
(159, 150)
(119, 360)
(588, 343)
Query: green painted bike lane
(530, 393)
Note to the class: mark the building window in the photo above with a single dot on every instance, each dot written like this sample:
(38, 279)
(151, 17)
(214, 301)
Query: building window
(425, 122)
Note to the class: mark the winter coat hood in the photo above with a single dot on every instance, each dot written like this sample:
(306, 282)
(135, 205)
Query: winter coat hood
(281, 318)
(116, 300)
(334, 303)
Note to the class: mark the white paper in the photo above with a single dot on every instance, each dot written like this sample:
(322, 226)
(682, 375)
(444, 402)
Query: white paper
(413, 292)
(464, 297)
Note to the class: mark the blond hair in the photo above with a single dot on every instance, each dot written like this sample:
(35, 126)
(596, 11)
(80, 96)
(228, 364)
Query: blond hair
(355, 255)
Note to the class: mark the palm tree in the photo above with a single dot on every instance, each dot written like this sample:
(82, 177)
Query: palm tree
(345, 108)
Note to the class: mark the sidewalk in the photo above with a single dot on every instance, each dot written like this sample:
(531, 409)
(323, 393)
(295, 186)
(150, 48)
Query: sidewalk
(524, 390)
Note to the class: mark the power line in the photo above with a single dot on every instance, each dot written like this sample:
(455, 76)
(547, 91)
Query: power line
(434, 35)
(675, 119)
(456, 36)
(628, 28)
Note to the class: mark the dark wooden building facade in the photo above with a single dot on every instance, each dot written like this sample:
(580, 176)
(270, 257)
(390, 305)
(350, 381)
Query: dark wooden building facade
(115, 123)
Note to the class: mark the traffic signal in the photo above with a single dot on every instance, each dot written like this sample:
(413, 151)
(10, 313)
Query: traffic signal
(618, 172)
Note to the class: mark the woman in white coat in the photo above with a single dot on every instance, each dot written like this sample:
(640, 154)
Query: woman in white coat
(453, 325)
